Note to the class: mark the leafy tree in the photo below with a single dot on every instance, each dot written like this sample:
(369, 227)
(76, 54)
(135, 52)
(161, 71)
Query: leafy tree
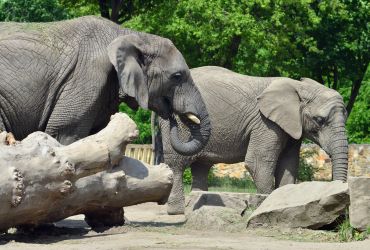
(327, 40)
(358, 123)
(117, 11)
(31, 10)
(80, 7)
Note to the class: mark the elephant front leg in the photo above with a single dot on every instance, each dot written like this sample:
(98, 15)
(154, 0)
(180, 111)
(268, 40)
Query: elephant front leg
(261, 159)
(176, 199)
(287, 167)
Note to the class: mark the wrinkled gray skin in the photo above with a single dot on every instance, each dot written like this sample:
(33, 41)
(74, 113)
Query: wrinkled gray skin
(64, 78)
(262, 122)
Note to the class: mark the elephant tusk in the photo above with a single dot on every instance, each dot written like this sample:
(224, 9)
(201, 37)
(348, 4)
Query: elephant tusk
(193, 118)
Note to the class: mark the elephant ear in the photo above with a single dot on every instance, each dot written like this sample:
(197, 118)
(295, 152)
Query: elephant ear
(126, 55)
(280, 103)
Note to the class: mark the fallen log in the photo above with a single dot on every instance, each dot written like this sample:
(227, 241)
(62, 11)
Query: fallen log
(42, 181)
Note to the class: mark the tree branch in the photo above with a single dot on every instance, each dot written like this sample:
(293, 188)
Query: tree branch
(43, 181)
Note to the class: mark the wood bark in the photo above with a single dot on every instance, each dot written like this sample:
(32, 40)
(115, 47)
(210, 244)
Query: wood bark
(42, 181)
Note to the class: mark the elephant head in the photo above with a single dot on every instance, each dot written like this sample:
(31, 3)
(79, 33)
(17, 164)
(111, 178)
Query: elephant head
(308, 109)
(153, 72)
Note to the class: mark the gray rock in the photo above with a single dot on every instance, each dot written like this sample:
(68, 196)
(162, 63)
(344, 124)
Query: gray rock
(237, 201)
(307, 205)
(215, 218)
(359, 210)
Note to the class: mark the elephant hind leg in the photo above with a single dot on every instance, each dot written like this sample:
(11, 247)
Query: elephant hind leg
(199, 172)
(287, 167)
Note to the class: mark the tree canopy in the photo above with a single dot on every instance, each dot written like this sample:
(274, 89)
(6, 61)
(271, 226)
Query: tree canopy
(32, 11)
(327, 40)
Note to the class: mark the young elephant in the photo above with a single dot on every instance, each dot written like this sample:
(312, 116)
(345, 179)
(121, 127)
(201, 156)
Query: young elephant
(262, 121)
(64, 78)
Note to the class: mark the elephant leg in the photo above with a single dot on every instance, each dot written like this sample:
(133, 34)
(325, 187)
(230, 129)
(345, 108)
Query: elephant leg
(287, 167)
(199, 172)
(176, 199)
(262, 156)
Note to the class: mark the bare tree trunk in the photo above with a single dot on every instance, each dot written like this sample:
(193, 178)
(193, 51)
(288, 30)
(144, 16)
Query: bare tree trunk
(116, 7)
(43, 181)
(354, 93)
(356, 85)
(104, 9)
(335, 77)
(232, 51)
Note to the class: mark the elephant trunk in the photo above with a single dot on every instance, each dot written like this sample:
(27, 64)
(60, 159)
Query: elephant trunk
(193, 114)
(198, 139)
(338, 151)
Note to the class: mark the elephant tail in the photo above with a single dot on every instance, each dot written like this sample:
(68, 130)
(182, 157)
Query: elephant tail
(157, 144)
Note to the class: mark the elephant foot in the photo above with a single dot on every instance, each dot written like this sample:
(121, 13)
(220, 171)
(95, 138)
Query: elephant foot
(175, 208)
(105, 218)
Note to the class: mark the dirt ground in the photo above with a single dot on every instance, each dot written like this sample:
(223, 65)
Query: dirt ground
(151, 228)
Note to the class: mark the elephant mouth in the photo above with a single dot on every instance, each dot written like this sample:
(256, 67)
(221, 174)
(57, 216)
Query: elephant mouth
(188, 118)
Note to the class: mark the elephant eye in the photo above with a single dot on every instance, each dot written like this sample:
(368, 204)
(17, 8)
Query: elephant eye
(319, 120)
(177, 77)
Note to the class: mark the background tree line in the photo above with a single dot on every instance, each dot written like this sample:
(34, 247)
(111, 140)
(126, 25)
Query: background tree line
(327, 40)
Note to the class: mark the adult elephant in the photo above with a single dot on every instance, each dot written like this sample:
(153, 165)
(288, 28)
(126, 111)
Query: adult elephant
(262, 121)
(64, 78)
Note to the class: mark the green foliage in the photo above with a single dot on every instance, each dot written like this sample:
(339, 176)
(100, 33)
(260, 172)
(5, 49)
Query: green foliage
(142, 120)
(32, 10)
(347, 233)
(230, 184)
(187, 179)
(325, 40)
(80, 7)
(224, 184)
(358, 123)
(306, 171)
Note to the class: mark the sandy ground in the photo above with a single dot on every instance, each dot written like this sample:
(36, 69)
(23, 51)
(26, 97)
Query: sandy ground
(151, 228)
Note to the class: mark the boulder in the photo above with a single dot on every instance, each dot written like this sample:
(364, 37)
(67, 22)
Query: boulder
(307, 205)
(215, 218)
(237, 201)
(359, 210)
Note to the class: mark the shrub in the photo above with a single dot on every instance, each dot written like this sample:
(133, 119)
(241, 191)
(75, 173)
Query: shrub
(347, 233)
(222, 184)
(306, 170)
(187, 179)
